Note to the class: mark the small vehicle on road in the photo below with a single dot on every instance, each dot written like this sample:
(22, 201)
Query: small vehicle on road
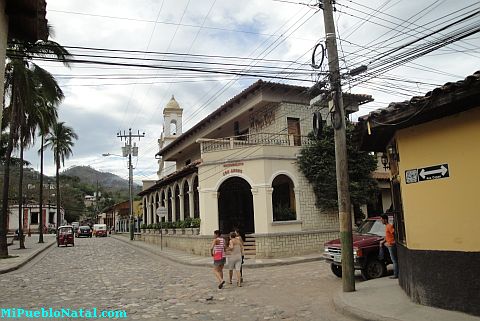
(65, 235)
(84, 231)
(366, 248)
(100, 230)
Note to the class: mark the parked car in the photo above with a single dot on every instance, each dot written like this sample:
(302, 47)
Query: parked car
(366, 247)
(100, 230)
(84, 231)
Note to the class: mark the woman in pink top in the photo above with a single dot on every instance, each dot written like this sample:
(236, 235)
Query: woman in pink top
(217, 249)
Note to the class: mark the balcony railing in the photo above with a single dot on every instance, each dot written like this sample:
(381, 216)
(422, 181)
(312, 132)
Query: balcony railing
(260, 139)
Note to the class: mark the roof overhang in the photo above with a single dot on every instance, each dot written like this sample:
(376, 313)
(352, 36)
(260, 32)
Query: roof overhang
(375, 130)
(27, 20)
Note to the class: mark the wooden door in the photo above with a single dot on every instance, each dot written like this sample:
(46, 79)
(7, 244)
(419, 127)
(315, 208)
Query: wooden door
(293, 125)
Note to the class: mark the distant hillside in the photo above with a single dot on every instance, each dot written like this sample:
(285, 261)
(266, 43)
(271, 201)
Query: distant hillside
(89, 175)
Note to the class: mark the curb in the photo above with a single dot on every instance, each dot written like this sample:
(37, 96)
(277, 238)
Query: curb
(359, 314)
(245, 266)
(28, 259)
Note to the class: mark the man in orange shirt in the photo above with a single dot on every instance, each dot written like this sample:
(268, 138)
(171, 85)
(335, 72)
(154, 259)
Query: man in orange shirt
(389, 242)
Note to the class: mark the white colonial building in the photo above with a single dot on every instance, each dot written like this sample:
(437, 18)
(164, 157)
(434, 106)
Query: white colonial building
(31, 217)
(237, 168)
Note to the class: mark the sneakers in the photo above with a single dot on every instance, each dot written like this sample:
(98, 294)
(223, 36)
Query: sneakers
(220, 286)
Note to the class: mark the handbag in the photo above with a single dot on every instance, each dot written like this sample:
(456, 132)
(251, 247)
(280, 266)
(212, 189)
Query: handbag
(217, 256)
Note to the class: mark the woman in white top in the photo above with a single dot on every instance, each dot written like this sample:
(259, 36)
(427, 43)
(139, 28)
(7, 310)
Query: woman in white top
(235, 258)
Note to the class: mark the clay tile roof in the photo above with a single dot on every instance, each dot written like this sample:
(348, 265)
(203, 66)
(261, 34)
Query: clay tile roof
(446, 100)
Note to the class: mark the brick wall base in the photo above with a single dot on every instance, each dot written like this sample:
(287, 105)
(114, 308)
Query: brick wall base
(267, 245)
(293, 243)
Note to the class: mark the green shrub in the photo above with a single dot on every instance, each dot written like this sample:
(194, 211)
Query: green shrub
(143, 226)
(195, 223)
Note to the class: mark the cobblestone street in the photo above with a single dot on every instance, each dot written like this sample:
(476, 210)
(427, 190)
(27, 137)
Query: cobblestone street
(105, 273)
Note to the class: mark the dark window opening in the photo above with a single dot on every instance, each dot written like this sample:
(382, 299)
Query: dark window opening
(33, 218)
(283, 199)
(186, 200)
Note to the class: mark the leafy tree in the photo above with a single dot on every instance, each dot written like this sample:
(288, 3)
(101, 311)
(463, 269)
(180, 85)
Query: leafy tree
(317, 163)
(60, 140)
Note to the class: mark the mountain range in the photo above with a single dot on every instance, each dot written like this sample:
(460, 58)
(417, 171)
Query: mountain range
(91, 176)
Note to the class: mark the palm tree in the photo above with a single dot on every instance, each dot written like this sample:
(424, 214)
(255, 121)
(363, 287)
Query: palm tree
(25, 82)
(60, 140)
(45, 122)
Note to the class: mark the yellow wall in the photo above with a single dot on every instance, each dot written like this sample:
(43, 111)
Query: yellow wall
(443, 214)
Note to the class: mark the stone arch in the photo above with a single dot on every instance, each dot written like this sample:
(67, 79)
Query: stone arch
(224, 178)
(235, 205)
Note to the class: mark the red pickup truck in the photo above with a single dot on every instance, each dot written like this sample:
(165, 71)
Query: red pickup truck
(366, 246)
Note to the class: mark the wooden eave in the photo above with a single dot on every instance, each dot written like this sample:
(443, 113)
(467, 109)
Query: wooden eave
(27, 20)
(450, 99)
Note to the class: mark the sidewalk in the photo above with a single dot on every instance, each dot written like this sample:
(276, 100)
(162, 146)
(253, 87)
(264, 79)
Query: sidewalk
(197, 260)
(33, 248)
(384, 300)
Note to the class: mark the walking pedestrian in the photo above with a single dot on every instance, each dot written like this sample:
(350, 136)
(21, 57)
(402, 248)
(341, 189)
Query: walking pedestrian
(240, 238)
(217, 249)
(389, 242)
(235, 258)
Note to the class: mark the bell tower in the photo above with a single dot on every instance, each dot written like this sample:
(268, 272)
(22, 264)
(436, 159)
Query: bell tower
(172, 128)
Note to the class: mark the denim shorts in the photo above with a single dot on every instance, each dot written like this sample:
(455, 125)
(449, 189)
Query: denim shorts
(219, 262)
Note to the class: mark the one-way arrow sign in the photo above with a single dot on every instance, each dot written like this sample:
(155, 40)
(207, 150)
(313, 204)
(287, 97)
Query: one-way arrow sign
(433, 172)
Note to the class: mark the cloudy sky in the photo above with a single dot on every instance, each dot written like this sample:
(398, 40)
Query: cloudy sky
(276, 37)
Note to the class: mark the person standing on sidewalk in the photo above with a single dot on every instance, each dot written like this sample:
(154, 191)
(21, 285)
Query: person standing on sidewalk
(217, 249)
(389, 242)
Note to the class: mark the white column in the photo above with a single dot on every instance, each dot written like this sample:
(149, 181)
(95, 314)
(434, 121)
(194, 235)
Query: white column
(262, 208)
(298, 209)
(172, 199)
(191, 203)
(182, 209)
(148, 211)
(208, 204)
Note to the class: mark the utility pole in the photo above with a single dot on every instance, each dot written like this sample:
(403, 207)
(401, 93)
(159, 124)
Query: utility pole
(338, 122)
(128, 150)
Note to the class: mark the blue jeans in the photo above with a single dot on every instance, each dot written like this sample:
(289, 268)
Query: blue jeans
(393, 256)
